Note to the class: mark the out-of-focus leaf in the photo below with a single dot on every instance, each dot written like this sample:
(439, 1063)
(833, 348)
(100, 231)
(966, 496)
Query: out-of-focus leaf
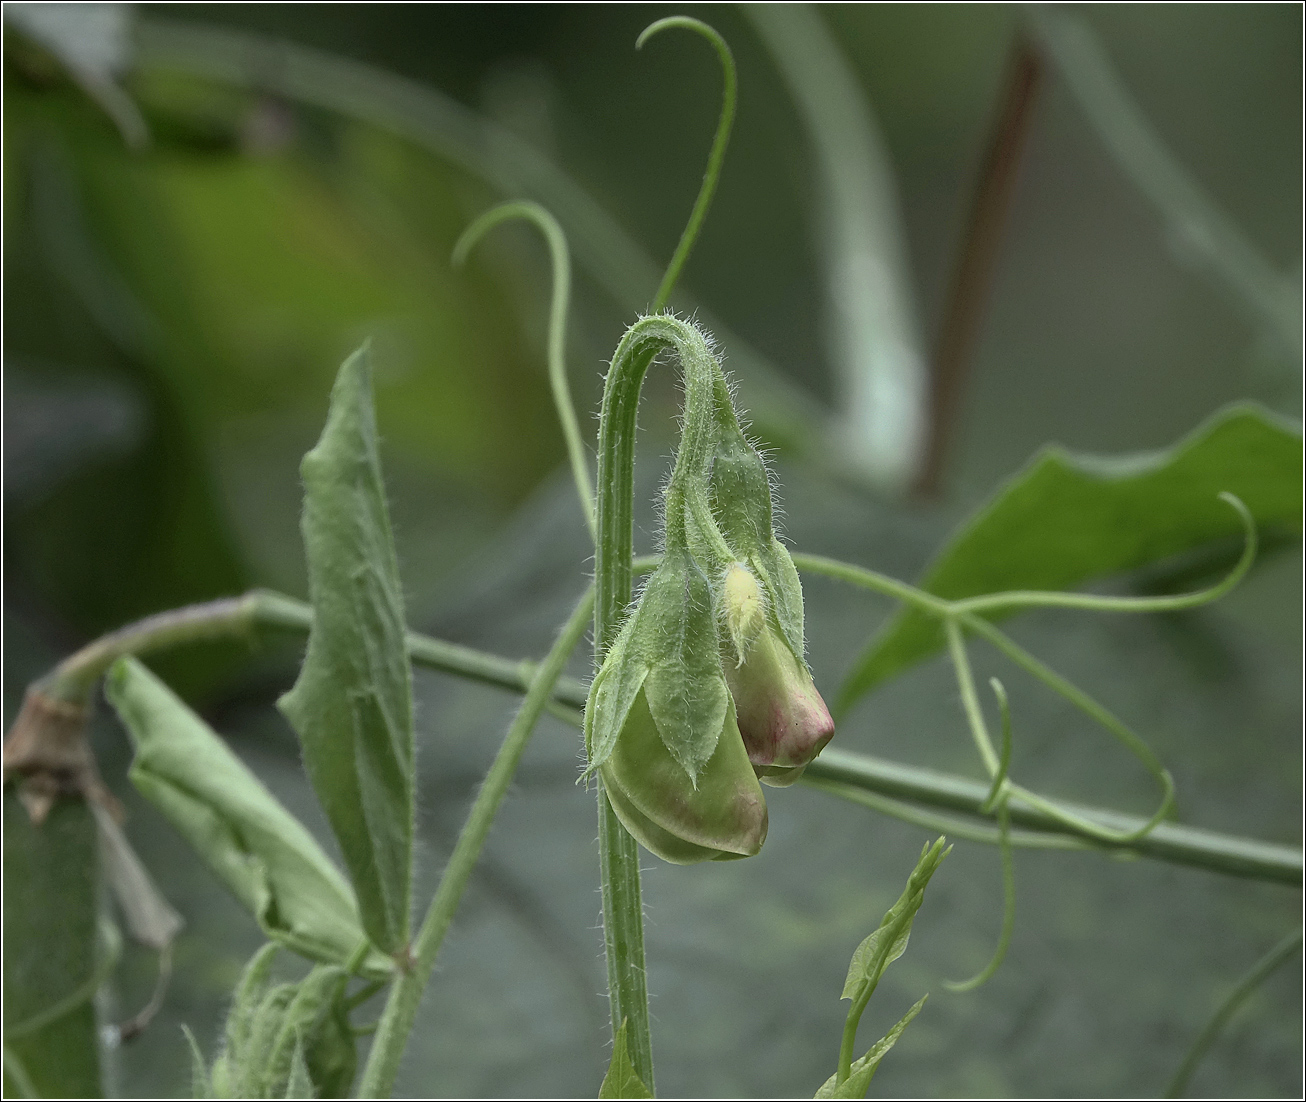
(352, 705)
(299, 1085)
(151, 919)
(51, 965)
(621, 1080)
(863, 1070)
(93, 41)
(257, 848)
(1066, 518)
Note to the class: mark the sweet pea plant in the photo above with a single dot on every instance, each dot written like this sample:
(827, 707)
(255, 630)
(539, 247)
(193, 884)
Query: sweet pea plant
(701, 694)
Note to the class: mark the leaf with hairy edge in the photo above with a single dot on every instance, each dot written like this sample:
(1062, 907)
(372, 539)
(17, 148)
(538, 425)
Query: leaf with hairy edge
(863, 1070)
(264, 855)
(1066, 518)
(352, 705)
(686, 691)
(611, 697)
(621, 1080)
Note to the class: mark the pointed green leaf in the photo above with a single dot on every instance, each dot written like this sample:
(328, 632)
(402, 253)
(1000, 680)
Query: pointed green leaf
(253, 844)
(863, 1070)
(621, 1080)
(352, 705)
(1066, 518)
(887, 943)
(686, 691)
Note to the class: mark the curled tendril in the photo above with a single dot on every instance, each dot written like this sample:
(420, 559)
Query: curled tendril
(1008, 908)
(998, 795)
(561, 257)
(1004, 759)
(716, 157)
(993, 602)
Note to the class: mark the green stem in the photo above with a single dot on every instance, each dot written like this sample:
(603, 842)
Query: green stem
(945, 824)
(970, 699)
(848, 1043)
(1173, 843)
(561, 257)
(1259, 973)
(401, 1006)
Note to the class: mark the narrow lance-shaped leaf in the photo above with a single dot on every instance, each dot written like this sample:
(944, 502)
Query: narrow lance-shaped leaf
(889, 941)
(264, 855)
(352, 705)
(864, 1070)
(1066, 518)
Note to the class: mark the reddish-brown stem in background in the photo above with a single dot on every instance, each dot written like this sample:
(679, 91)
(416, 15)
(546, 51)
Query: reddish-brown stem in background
(974, 272)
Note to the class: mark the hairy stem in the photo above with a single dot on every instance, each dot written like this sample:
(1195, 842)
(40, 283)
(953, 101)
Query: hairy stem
(623, 918)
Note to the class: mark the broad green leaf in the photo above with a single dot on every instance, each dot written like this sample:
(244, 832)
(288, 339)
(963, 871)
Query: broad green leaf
(352, 705)
(621, 1080)
(889, 941)
(52, 963)
(261, 852)
(863, 1070)
(677, 634)
(1066, 518)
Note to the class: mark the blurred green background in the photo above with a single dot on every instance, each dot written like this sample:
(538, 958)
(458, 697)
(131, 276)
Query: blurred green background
(174, 315)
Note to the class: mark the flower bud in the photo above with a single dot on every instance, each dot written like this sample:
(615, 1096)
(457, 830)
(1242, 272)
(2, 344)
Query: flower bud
(719, 817)
(782, 718)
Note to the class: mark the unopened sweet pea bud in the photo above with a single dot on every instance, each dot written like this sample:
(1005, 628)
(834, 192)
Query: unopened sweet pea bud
(720, 817)
(782, 718)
